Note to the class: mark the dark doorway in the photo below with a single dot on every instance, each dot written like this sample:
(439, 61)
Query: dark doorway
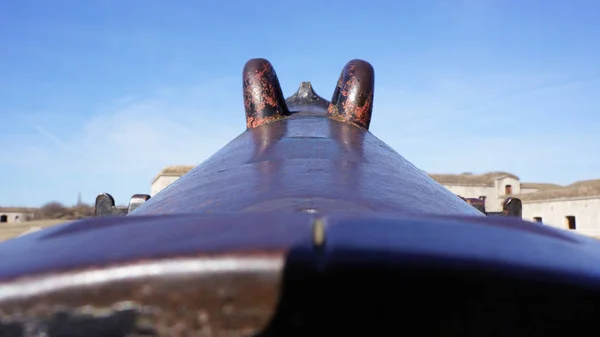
(537, 219)
(508, 190)
(3, 218)
(571, 222)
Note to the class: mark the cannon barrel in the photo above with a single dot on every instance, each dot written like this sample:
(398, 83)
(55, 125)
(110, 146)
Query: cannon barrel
(296, 155)
(306, 224)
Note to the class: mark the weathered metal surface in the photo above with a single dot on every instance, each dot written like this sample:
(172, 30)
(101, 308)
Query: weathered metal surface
(265, 274)
(477, 203)
(105, 206)
(304, 225)
(510, 206)
(174, 275)
(136, 201)
(513, 207)
(352, 99)
(306, 99)
(306, 161)
(263, 98)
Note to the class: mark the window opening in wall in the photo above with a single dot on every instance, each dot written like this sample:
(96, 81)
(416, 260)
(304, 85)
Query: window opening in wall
(571, 222)
(3, 218)
(482, 197)
(537, 218)
(508, 190)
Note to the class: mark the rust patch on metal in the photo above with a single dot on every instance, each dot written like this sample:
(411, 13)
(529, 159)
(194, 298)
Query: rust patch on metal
(234, 295)
(263, 98)
(352, 99)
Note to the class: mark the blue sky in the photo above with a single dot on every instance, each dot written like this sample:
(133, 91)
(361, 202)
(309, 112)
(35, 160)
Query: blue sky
(98, 96)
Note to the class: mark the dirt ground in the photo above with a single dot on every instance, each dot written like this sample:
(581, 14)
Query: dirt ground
(11, 230)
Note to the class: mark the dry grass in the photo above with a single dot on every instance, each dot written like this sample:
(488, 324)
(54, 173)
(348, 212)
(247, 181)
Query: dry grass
(486, 179)
(546, 191)
(177, 170)
(13, 229)
(540, 186)
(43, 223)
(18, 209)
(584, 188)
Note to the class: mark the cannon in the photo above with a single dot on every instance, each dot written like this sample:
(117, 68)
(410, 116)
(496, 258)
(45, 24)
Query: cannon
(306, 224)
(105, 204)
(511, 206)
(477, 203)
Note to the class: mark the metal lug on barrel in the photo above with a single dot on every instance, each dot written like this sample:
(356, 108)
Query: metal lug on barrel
(136, 201)
(352, 99)
(105, 206)
(263, 98)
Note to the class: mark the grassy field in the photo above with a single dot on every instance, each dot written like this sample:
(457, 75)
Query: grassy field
(11, 230)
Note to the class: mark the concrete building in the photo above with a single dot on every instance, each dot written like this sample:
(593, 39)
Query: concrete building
(494, 186)
(574, 207)
(15, 214)
(168, 176)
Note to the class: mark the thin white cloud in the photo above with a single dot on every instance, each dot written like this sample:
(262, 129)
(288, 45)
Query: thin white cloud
(52, 137)
(120, 149)
(494, 122)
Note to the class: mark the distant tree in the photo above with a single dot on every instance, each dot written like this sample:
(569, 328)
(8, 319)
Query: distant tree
(81, 210)
(56, 210)
(52, 210)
